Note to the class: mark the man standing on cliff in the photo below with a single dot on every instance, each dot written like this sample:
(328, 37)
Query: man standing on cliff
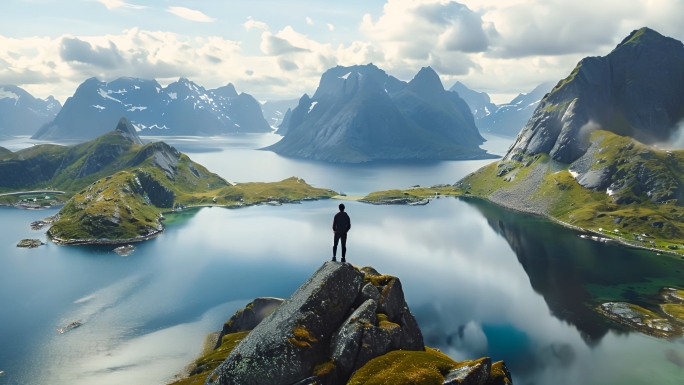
(341, 225)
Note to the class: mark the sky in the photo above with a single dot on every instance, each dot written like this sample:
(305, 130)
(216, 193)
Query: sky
(277, 49)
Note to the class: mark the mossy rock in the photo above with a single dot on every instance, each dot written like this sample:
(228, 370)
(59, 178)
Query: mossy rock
(405, 368)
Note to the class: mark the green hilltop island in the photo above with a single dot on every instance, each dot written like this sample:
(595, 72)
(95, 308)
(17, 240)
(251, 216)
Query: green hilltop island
(594, 157)
(344, 325)
(116, 188)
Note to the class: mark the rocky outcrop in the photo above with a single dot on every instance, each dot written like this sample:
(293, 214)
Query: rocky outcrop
(158, 194)
(341, 321)
(249, 317)
(637, 90)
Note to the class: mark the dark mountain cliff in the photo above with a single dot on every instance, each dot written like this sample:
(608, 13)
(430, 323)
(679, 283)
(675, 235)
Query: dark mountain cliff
(360, 113)
(636, 90)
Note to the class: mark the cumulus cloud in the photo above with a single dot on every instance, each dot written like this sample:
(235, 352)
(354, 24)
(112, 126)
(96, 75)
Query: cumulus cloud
(309, 21)
(74, 50)
(273, 45)
(331, 27)
(190, 14)
(111, 4)
(255, 24)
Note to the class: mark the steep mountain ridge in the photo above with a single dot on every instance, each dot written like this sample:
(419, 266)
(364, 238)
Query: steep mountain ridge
(23, 114)
(181, 108)
(636, 90)
(502, 119)
(276, 110)
(360, 113)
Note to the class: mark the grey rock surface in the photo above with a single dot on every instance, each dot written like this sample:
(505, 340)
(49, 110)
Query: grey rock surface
(285, 347)
(636, 90)
(473, 373)
(249, 317)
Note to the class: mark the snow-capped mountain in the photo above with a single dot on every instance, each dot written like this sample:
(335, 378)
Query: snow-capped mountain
(181, 108)
(21, 113)
(503, 119)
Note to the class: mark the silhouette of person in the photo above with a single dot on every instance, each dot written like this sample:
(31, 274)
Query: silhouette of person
(341, 225)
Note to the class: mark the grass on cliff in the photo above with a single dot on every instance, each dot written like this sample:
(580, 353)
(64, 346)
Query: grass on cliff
(204, 365)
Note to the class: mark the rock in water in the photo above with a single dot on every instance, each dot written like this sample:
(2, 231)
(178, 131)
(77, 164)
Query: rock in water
(30, 243)
(125, 251)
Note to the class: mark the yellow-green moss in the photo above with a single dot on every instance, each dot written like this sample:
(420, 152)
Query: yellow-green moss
(378, 280)
(674, 310)
(402, 367)
(499, 374)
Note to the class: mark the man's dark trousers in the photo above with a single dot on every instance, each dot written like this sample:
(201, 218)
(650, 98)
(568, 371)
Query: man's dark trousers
(340, 236)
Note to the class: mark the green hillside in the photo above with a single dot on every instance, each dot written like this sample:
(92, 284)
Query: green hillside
(637, 196)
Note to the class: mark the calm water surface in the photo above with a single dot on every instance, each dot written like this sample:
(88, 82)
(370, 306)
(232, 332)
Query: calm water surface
(481, 280)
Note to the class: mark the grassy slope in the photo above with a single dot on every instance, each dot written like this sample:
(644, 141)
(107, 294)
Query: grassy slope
(110, 204)
(567, 201)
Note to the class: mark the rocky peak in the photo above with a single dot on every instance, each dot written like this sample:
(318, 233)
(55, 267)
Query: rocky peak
(341, 321)
(227, 91)
(127, 131)
(636, 90)
(426, 83)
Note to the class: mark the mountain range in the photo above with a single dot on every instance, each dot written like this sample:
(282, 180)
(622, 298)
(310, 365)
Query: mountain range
(181, 108)
(502, 119)
(360, 113)
(276, 110)
(21, 113)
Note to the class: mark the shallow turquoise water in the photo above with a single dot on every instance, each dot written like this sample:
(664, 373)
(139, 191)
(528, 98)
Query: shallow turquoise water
(481, 281)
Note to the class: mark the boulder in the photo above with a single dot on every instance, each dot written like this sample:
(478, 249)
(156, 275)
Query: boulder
(368, 291)
(411, 336)
(470, 373)
(291, 341)
(249, 317)
(391, 300)
(598, 179)
(347, 341)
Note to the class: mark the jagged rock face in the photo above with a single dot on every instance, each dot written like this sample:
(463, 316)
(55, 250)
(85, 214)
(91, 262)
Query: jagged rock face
(21, 113)
(181, 108)
(360, 113)
(165, 157)
(127, 131)
(636, 90)
(102, 155)
(158, 194)
(319, 325)
(285, 123)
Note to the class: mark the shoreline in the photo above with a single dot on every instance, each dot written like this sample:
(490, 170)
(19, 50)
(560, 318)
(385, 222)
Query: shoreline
(618, 240)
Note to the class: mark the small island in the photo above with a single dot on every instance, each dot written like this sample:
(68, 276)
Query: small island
(116, 188)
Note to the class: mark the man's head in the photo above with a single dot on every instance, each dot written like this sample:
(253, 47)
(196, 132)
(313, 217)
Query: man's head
(341, 206)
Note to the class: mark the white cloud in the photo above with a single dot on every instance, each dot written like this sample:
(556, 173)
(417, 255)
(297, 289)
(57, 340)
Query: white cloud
(308, 20)
(331, 27)
(255, 24)
(190, 14)
(111, 4)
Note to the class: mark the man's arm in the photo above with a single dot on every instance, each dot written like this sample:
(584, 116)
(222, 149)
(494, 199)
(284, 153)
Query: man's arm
(334, 220)
(349, 223)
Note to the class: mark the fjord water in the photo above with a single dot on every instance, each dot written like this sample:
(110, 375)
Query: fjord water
(481, 280)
